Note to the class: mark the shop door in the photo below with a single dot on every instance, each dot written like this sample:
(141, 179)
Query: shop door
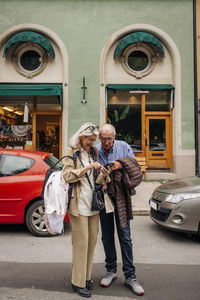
(158, 142)
(48, 133)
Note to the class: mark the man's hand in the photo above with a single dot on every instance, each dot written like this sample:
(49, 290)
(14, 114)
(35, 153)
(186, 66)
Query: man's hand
(117, 165)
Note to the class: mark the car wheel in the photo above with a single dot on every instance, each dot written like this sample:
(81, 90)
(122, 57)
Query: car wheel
(35, 219)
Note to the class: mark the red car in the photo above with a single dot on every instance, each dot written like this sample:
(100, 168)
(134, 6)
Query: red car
(22, 174)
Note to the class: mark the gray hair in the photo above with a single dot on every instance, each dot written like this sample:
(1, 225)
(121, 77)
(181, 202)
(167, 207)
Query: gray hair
(86, 129)
(107, 128)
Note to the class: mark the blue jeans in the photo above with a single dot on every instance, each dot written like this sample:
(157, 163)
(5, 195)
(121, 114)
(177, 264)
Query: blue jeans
(124, 235)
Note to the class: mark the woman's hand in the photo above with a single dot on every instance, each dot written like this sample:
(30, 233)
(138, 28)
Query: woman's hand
(104, 188)
(96, 165)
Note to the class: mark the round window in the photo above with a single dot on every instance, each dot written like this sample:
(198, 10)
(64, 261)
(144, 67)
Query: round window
(137, 60)
(30, 60)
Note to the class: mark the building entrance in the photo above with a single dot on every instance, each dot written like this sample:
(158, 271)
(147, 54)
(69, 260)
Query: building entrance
(158, 141)
(143, 120)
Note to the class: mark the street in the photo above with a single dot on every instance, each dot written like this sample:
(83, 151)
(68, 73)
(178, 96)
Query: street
(167, 265)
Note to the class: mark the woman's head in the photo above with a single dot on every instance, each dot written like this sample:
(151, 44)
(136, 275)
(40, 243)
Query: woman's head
(85, 136)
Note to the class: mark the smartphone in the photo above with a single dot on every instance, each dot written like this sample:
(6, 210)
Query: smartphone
(109, 165)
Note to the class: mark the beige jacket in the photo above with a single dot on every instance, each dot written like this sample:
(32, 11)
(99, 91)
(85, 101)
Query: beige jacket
(72, 175)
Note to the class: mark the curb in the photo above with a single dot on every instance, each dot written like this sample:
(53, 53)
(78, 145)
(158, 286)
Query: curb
(141, 212)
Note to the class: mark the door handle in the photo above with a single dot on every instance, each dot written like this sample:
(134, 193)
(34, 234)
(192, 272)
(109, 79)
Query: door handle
(145, 142)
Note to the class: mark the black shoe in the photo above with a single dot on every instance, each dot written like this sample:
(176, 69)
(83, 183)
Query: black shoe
(83, 292)
(89, 284)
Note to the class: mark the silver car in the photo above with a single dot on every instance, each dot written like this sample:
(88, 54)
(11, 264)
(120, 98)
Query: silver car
(176, 205)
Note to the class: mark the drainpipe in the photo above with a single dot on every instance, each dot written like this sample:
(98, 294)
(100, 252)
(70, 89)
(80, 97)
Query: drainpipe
(195, 92)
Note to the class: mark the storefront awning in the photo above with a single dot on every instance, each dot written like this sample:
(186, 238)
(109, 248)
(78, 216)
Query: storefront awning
(138, 87)
(135, 37)
(30, 36)
(32, 90)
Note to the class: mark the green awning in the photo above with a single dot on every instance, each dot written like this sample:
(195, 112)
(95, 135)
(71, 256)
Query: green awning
(32, 90)
(138, 87)
(138, 37)
(30, 36)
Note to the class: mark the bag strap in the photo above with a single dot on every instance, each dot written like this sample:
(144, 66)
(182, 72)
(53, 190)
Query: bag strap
(74, 158)
(90, 184)
(60, 160)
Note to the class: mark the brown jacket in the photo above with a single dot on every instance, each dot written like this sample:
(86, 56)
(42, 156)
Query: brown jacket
(121, 187)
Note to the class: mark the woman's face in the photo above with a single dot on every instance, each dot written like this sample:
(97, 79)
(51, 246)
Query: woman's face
(87, 141)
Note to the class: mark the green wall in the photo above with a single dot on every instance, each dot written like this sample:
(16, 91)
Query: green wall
(85, 25)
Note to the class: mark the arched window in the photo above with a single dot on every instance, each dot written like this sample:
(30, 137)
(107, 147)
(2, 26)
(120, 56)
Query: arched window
(29, 52)
(138, 53)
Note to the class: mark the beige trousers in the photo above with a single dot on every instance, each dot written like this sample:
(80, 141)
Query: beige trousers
(84, 237)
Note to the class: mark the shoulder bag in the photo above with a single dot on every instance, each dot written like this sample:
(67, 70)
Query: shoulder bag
(97, 193)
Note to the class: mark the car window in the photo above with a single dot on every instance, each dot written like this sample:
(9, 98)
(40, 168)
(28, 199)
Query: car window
(52, 160)
(13, 164)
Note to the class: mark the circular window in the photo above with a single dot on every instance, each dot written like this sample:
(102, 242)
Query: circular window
(29, 59)
(137, 60)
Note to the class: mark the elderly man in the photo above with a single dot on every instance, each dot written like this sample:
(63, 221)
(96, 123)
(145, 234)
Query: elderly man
(119, 153)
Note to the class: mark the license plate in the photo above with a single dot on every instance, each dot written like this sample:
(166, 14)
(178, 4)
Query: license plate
(154, 205)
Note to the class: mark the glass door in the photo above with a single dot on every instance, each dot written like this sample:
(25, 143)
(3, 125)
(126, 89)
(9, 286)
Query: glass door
(158, 142)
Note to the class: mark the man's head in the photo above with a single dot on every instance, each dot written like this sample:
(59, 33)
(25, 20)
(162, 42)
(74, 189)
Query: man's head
(107, 136)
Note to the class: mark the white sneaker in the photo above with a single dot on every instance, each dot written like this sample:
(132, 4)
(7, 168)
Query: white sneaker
(108, 279)
(134, 285)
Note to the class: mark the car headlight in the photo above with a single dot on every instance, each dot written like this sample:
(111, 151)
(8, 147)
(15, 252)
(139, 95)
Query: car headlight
(182, 196)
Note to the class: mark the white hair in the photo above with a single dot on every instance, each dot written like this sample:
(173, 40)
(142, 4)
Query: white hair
(84, 130)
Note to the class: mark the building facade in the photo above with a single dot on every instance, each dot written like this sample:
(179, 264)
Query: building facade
(129, 63)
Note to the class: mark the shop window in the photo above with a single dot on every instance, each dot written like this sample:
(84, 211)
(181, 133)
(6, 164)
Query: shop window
(158, 101)
(16, 128)
(14, 133)
(125, 111)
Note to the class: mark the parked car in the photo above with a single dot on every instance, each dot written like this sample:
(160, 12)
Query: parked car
(22, 174)
(176, 205)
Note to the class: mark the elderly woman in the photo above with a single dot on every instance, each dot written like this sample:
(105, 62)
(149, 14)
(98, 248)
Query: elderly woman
(84, 222)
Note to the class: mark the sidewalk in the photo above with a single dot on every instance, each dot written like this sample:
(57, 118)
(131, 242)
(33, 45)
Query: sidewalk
(143, 194)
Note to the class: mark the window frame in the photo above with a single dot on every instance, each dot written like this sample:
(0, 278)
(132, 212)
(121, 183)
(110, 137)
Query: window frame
(20, 50)
(150, 53)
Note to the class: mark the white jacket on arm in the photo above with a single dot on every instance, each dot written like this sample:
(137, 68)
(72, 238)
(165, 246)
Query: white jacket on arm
(55, 201)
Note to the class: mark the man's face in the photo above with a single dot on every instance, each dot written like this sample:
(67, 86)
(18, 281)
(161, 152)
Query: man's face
(107, 140)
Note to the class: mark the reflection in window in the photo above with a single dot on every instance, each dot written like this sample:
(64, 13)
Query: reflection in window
(30, 60)
(157, 135)
(52, 161)
(124, 112)
(158, 101)
(138, 60)
(13, 165)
